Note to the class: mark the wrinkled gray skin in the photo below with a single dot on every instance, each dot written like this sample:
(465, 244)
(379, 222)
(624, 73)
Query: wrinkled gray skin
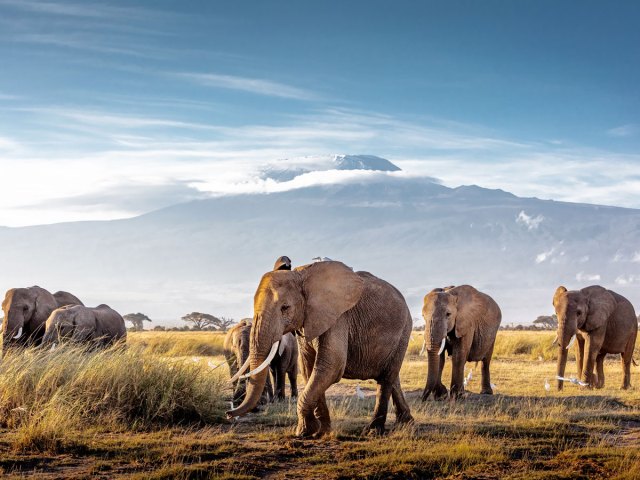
(100, 326)
(66, 298)
(26, 308)
(284, 364)
(29, 308)
(603, 322)
(236, 352)
(351, 325)
(469, 320)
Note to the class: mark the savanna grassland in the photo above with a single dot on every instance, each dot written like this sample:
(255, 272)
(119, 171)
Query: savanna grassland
(156, 410)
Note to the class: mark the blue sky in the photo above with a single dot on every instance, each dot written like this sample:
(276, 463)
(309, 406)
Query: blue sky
(179, 100)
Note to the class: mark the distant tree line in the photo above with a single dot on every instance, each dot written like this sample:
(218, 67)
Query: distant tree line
(196, 321)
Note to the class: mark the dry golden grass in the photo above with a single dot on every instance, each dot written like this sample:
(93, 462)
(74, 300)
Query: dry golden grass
(523, 431)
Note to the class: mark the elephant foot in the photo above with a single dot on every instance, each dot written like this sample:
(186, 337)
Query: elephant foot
(486, 391)
(308, 428)
(439, 392)
(374, 429)
(456, 393)
(404, 418)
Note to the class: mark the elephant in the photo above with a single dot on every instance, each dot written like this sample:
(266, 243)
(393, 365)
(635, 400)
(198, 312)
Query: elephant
(65, 298)
(285, 363)
(26, 310)
(282, 263)
(464, 322)
(236, 353)
(101, 326)
(349, 325)
(603, 321)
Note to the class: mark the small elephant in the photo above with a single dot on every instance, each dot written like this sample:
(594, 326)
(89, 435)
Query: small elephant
(26, 311)
(285, 363)
(603, 322)
(464, 322)
(349, 325)
(236, 353)
(100, 326)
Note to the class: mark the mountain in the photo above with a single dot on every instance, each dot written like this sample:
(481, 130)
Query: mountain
(288, 169)
(208, 255)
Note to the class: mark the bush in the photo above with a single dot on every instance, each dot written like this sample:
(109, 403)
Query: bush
(47, 394)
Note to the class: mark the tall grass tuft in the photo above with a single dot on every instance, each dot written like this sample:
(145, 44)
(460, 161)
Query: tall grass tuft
(179, 344)
(44, 395)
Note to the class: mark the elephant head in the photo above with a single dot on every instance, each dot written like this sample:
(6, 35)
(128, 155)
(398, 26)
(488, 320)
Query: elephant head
(308, 300)
(25, 313)
(585, 310)
(74, 322)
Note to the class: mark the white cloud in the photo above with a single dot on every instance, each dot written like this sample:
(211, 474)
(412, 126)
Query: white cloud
(541, 257)
(636, 257)
(532, 223)
(628, 130)
(627, 280)
(258, 86)
(586, 277)
(584, 259)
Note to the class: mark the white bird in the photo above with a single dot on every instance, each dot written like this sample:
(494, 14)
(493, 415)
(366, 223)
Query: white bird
(316, 259)
(493, 386)
(547, 385)
(359, 393)
(469, 377)
(326, 259)
(573, 380)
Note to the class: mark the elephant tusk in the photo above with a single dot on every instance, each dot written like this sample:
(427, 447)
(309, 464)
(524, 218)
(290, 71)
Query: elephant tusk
(555, 340)
(266, 362)
(442, 345)
(573, 339)
(424, 347)
(53, 347)
(19, 333)
(243, 369)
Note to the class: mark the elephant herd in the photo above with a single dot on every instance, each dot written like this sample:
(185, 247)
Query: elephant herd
(34, 316)
(335, 323)
(357, 326)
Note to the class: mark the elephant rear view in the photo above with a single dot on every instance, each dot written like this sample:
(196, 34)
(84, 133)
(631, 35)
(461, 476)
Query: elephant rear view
(100, 326)
(464, 322)
(25, 312)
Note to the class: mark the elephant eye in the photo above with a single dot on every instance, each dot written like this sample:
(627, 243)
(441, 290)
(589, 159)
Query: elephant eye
(448, 314)
(284, 308)
(579, 312)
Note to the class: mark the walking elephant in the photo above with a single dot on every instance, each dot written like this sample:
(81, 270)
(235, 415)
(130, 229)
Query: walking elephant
(285, 364)
(236, 353)
(464, 322)
(603, 322)
(350, 325)
(25, 312)
(100, 326)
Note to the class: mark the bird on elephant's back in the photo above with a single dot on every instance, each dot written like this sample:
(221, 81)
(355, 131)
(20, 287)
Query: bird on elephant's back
(603, 322)
(462, 322)
(349, 325)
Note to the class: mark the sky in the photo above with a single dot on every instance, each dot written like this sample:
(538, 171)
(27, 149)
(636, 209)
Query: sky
(113, 109)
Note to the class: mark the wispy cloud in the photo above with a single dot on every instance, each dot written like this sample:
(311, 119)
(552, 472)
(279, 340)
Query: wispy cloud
(628, 130)
(256, 86)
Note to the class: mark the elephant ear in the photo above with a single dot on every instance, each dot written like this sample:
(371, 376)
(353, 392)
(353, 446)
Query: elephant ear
(559, 291)
(330, 288)
(470, 308)
(601, 305)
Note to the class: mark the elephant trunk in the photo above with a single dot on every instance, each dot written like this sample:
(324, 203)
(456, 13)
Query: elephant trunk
(433, 374)
(562, 363)
(264, 345)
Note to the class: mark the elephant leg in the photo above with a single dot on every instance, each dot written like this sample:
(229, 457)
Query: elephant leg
(592, 348)
(380, 410)
(322, 414)
(293, 380)
(627, 357)
(280, 387)
(321, 375)
(461, 349)
(403, 412)
(599, 380)
(580, 355)
(267, 393)
(486, 374)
